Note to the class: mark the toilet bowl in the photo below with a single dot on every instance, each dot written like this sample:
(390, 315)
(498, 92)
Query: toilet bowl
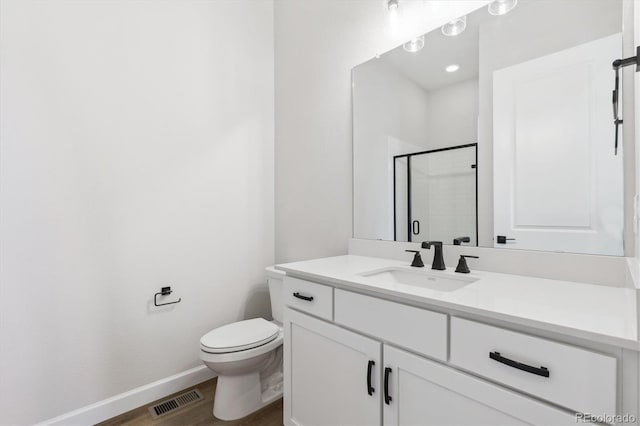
(247, 357)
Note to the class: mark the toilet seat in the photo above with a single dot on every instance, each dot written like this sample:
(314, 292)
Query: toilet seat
(239, 336)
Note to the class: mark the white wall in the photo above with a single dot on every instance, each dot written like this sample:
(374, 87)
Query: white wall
(453, 115)
(317, 43)
(631, 136)
(636, 218)
(136, 151)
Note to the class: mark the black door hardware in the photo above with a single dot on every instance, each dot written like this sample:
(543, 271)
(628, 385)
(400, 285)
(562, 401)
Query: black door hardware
(501, 239)
(387, 397)
(417, 259)
(462, 267)
(415, 227)
(370, 389)
(617, 64)
(164, 291)
(438, 260)
(458, 241)
(300, 296)
(633, 60)
(540, 371)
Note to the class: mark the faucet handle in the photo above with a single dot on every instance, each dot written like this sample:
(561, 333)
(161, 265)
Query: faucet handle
(417, 259)
(462, 267)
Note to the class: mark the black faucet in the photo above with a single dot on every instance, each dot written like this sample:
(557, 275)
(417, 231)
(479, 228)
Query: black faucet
(438, 260)
(417, 259)
(458, 241)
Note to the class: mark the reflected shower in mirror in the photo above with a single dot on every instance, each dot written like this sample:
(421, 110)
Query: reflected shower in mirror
(497, 134)
(435, 195)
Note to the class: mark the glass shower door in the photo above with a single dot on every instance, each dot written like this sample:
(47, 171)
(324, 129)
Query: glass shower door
(442, 195)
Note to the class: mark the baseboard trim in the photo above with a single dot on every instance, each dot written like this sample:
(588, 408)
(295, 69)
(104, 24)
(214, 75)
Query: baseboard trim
(119, 404)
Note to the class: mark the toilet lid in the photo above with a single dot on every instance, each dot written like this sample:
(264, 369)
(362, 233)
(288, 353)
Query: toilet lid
(239, 336)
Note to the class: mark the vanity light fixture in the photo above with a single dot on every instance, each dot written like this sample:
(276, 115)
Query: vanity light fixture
(414, 44)
(452, 68)
(455, 27)
(392, 4)
(501, 7)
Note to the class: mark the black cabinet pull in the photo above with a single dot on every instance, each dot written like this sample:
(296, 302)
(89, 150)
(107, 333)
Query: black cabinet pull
(387, 397)
(300, 296)
(542, 371)
(415, 227)
(370, 389)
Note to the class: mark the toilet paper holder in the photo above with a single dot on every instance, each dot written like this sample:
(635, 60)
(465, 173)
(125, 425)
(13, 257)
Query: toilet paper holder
(164, 291)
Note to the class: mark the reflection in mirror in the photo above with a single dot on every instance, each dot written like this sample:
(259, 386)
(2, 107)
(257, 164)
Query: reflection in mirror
(502, 133)
(435, 195)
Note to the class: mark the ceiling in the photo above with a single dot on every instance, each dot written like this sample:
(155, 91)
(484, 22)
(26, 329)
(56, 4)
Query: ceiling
(427, 66)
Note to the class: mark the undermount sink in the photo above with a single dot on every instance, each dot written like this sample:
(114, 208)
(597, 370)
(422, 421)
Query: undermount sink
(424, 279)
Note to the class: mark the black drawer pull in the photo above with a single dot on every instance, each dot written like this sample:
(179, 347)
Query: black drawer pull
(300, 296)
(541, 371)
(387, 397)
(370, 389)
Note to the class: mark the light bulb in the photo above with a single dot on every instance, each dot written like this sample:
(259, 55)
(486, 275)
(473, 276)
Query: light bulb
(455, 27)
(414, 45)
(501, 7)
(392, 4)
(452, 68)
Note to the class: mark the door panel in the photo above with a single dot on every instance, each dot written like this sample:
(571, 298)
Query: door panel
(326, 371)
(557, 184)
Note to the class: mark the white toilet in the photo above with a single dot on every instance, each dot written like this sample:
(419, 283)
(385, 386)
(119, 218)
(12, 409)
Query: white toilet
(247, 356)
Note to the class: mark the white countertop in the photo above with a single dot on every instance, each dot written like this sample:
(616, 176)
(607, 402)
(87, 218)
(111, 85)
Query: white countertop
(593, 312)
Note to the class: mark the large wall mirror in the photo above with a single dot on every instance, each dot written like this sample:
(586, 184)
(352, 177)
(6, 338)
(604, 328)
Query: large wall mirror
(497, 130)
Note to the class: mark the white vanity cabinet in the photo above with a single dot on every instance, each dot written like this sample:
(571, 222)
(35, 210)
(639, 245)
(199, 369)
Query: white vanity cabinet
(569, 376)
(393, 323)
(326, 374)
(423, 392)
(354, 359)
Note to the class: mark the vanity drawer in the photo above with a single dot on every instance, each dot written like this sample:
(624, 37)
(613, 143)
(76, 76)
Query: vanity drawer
(575, 378)
(315, 299)
(413, 328)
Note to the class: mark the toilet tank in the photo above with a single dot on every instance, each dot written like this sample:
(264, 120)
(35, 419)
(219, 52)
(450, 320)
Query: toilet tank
(275, 278)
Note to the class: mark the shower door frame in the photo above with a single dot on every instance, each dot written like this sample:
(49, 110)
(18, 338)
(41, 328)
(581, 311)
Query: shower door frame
(408, 156)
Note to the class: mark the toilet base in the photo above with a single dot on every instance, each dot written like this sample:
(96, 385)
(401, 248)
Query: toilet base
(238, 396)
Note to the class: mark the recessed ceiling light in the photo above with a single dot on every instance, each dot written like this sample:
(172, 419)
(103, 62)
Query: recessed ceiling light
(392, 4)
(414, 45)
(452, 68)
(455, 27)
(502, 7)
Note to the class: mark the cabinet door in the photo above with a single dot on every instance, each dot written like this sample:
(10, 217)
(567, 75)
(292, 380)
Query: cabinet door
(332, 376)
(422, 392)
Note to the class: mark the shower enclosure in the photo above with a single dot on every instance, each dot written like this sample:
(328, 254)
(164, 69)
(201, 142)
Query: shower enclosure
(435, 195)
